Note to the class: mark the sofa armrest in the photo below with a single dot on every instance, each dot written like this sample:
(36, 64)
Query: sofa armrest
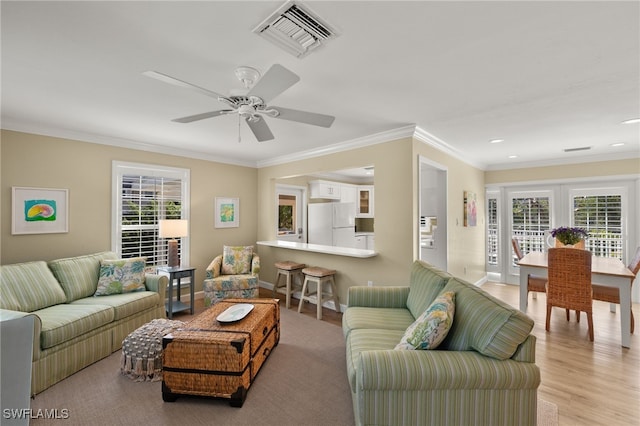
(157, 283)
(391, 370)
(7, 315)
(378, 297)
(213, 270)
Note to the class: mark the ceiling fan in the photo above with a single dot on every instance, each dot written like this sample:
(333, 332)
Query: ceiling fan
(252, 103)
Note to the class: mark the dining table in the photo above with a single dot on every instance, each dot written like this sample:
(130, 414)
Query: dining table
(606, 271)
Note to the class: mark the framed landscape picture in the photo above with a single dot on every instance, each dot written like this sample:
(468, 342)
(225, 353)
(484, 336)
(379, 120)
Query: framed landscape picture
(227, 213)
(39, 210)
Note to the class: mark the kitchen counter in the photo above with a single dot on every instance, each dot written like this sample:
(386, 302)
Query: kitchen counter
(317, 248)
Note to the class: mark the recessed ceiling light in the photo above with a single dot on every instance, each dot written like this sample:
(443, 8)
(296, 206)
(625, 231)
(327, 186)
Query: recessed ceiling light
(631, 121)
(617, 144)
(496, 140)
(513, 156)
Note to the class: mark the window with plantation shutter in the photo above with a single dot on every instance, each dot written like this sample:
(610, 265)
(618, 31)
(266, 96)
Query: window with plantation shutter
(530, 221)
(143, 195)
(493, 231)
(601, 215)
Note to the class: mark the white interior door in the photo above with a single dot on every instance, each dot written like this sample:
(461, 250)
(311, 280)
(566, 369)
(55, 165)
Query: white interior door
(290, 213)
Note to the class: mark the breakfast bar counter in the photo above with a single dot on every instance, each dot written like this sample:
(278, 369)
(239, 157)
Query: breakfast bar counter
(318, 248)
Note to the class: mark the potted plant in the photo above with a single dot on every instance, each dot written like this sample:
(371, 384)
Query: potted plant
(569, 236)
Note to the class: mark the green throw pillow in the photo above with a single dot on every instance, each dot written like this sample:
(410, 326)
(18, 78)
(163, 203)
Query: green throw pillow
(121, 276)
(430, 328)
(236, 260)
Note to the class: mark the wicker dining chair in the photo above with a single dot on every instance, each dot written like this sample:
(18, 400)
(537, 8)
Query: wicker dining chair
(569, 284)
(534, 283)
(612, 294)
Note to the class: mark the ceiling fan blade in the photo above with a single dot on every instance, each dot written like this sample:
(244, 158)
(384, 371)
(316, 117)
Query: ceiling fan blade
(321, 120)
(202, 116)
(275, 81)
(176, 82)
(260, 130)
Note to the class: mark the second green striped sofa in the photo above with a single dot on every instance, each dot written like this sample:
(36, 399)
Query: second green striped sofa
(73, 328)
(483, 373)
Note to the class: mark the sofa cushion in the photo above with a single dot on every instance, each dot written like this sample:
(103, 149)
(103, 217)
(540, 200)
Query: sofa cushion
(236, 259)
(367, 339)
(484, 323)
(29, 286)
(124, 305)
(62, 323)
(430, 328)
(121, 276)
(381, 318)
(426, 283)
(78, 275)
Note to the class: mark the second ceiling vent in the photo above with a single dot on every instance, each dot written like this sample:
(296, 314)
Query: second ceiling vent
(295, 29)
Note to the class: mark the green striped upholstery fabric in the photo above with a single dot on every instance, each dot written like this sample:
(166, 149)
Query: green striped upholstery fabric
(380, 318)
(481, 407)
(378, 297)
(427, 282)
(484, 323)
(362, 340)
(78, 275)
(414, 370)
(526, 352)
(61, 323)
(125, 304)
(30, 286)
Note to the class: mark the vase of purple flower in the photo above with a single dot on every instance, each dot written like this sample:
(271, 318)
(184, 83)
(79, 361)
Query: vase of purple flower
(570, 237)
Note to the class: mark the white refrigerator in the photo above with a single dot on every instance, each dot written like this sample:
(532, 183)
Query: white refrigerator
(332, 224)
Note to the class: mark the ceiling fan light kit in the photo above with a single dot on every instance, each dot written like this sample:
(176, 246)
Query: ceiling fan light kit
(252, 106)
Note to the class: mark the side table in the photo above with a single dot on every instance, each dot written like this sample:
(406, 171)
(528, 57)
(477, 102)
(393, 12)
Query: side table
(178, 273)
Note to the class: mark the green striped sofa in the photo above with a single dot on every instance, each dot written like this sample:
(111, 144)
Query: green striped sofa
(73, 328)
(483, 373)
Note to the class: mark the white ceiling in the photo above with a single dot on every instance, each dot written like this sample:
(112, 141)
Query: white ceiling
(543, 76)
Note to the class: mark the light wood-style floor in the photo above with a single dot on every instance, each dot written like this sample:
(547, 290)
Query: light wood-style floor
(591, 383)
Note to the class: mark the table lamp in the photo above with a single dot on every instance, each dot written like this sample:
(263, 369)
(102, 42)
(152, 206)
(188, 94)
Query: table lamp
(173, 228)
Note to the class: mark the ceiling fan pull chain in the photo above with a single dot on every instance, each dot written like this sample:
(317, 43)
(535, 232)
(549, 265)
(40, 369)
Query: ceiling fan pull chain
(239, 139)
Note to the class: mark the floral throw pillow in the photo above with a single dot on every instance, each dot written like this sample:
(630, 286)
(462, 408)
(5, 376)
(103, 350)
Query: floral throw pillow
(121, 276)
(430, 328)
(236, 259)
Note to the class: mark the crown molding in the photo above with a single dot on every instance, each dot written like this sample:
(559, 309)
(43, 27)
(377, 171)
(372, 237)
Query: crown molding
(8, 124)
(382, 137)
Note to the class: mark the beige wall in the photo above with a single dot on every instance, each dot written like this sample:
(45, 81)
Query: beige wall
(85, 169)
(393, 215)
(627, 167)
(465, 245)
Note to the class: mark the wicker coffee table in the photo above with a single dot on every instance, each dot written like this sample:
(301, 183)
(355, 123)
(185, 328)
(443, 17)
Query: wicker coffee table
(221, 360)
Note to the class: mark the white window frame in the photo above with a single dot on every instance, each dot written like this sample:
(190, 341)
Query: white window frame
(122, 168)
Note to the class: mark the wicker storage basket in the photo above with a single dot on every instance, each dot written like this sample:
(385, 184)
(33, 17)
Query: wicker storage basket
(207, 358)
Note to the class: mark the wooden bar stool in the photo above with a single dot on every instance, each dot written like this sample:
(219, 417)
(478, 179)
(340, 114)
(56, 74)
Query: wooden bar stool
(321, 277)
(289, 270)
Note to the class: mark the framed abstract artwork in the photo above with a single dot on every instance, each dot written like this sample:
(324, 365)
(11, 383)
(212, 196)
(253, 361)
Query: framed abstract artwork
(470, 209)
(227, 212)
(39, 210)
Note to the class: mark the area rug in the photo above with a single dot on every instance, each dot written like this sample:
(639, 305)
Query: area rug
(304, 382)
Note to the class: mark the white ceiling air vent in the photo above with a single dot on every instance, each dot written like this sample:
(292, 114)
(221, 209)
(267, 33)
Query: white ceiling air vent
(296, 29)
(582, 148)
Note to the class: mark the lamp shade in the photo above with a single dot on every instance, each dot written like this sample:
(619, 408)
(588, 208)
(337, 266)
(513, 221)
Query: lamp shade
(174, 228)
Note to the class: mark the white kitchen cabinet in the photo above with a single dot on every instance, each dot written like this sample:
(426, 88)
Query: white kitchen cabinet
(348, 193)
(324, 189)
(365, 201)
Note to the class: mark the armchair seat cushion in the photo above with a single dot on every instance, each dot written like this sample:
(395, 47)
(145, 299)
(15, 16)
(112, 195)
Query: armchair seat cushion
(230, 286)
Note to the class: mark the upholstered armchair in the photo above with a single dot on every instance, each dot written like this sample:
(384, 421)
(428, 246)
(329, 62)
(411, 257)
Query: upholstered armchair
(233, 274)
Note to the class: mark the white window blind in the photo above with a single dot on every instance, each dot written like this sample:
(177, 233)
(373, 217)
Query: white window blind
(145, 194)
(530, 220)
(493, 230)
(601, 216)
